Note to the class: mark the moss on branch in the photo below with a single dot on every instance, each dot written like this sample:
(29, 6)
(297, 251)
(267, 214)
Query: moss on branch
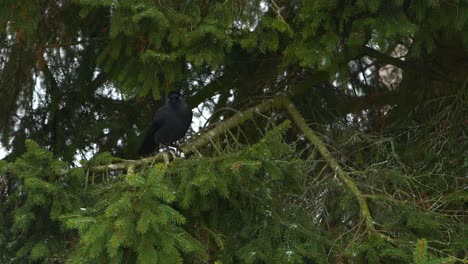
(222, 127)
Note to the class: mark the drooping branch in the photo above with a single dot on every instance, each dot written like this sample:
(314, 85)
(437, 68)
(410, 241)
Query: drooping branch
(54, 93)
(332, 162)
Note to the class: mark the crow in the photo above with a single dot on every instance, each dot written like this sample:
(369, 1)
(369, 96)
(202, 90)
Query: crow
(170, 123)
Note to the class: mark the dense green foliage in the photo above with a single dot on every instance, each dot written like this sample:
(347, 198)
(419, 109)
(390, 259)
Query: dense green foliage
(384, 84)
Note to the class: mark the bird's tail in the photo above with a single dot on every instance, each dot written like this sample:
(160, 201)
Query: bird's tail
(148, 146)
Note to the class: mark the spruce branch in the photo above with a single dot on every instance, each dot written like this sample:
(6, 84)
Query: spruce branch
(279, 102)
(332, 162)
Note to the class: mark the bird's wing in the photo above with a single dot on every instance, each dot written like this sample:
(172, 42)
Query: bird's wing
(149, 144)
(188, 118)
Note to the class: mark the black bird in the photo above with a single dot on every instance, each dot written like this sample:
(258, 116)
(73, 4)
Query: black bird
(170, 123)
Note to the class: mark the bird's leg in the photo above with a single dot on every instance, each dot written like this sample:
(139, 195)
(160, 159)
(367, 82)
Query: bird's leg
(167, 149)
(173, 153)
(177, 149)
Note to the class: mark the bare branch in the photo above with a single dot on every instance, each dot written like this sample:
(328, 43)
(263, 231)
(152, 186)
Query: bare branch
(222, 127)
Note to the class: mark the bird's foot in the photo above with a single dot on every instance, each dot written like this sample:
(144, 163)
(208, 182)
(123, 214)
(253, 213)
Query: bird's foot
(177, 150)
(173, 154)
(169, 151)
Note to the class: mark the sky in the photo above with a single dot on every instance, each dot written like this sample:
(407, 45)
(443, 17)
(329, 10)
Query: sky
(3, 153)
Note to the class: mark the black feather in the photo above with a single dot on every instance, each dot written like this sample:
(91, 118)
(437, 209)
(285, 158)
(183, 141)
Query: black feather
(170, 123)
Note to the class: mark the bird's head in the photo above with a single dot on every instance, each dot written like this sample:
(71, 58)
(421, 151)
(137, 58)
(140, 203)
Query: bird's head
(175, 98)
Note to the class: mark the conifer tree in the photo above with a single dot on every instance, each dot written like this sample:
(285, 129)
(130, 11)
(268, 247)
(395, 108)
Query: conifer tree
(336, 131)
